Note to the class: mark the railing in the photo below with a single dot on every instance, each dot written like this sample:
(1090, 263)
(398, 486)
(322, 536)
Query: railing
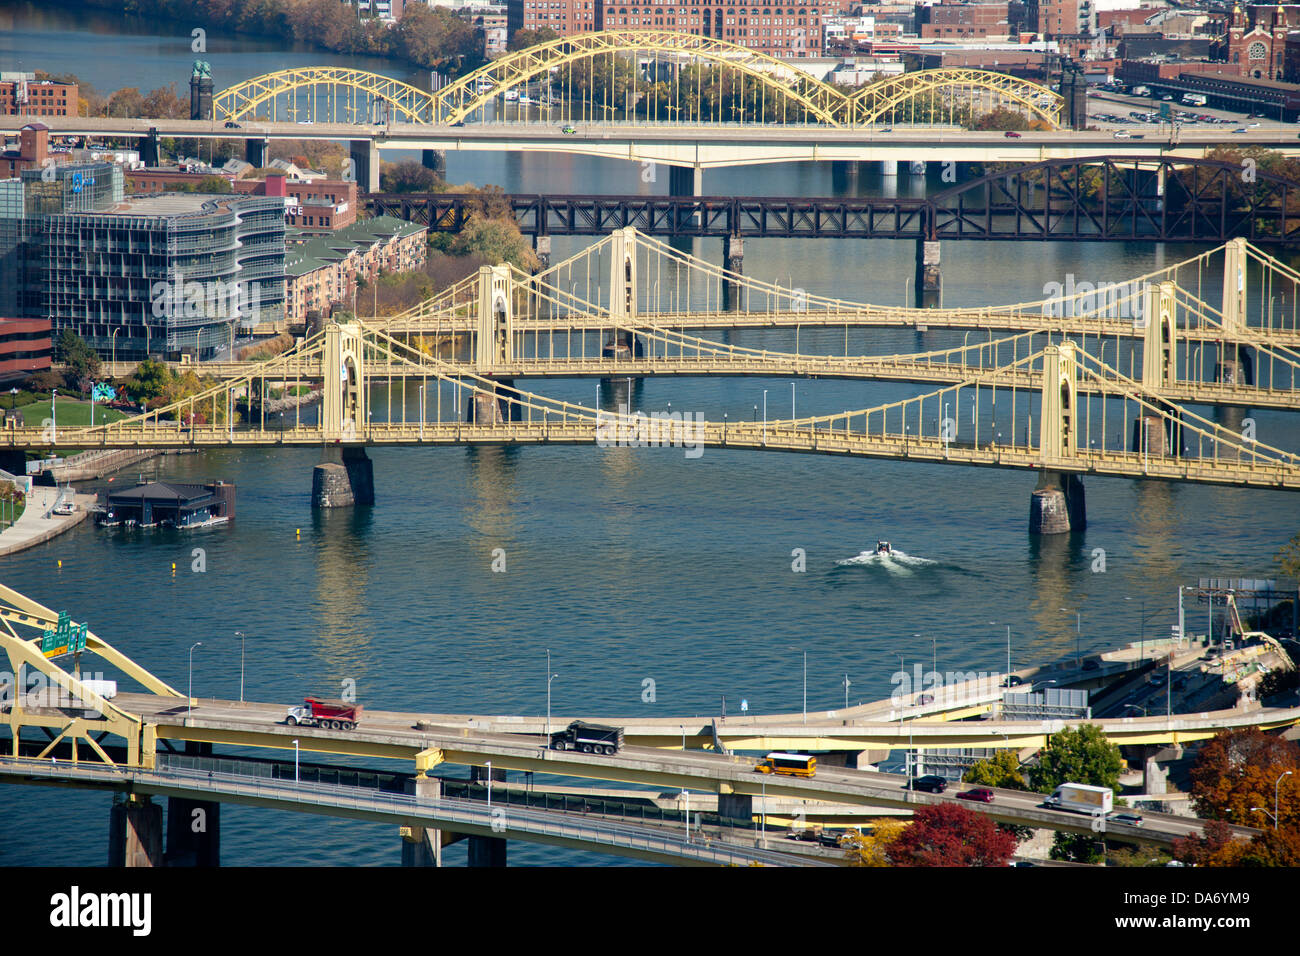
(440, 811)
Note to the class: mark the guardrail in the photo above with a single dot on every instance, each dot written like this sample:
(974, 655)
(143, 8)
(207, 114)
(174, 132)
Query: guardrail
(441, 811)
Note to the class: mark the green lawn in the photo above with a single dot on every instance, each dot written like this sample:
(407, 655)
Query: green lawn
(71, 411)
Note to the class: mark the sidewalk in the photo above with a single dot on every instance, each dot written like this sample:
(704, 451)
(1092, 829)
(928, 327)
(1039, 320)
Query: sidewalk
(37, 525)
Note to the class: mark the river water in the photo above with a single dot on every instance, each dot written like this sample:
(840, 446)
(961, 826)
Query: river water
(628, 564)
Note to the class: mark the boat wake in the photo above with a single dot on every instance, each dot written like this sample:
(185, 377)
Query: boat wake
(894, 561)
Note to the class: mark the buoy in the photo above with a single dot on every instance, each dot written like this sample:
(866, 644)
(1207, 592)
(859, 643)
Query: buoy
(60, 562)
(297, 533)
(173, 567)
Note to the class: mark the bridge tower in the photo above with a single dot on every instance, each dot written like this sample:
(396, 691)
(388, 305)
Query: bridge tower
(345, 475)
(494, 343)
(1160, 344)
(1056, 505)
(1154, 433)
(1234, 365)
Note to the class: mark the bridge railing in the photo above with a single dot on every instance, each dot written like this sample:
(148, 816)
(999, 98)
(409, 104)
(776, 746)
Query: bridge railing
(507, 821)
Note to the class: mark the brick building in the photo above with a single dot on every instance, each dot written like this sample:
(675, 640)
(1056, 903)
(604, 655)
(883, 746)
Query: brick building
(785, 30)
(324, 270)
(25, 347)
(965, 20)
(22, 95)
(33, 149)
(1254, 45)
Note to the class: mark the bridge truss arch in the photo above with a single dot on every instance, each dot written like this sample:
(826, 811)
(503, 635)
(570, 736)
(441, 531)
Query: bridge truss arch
(941, 96)
(751, 81)
(351, 96)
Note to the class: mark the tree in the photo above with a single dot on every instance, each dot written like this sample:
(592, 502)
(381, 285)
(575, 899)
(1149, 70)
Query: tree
(522, 39)
(496, 241)
(1002, 770)
(214, 184)
(1078, 755)
(126, 103)
(150, 380)
(950, 835)
(1215, 847)
(1001, 119)
(872, 849)
(1077, 848)
(82, 363)
(1239, 770)
(408, 177)
(165, 103)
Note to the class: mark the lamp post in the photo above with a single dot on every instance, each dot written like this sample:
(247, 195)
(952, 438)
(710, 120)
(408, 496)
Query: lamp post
(549, 678)
(1136, 707)
(295, 761)
(489, 785)
(421, 413)
(1276, 784)
(240, 635)
(189, 696)
(112, 340)
(765, 415)
(792, 415)
(54, 414)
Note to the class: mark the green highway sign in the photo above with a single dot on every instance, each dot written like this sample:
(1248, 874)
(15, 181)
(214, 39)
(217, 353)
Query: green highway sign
(66, 638)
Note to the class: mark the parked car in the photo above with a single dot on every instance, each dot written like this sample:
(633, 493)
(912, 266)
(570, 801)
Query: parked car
(930, 783)
(982, 794)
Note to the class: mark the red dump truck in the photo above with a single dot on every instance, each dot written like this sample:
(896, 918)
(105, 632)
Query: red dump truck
(322, 712)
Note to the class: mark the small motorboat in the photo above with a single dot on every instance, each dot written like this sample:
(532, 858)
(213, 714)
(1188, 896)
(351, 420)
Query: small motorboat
(883, 547)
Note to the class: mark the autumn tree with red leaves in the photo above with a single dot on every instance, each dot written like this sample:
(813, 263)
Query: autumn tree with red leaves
(950, 835)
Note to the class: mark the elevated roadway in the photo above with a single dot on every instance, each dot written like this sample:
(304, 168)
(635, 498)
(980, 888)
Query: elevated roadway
(699, 146)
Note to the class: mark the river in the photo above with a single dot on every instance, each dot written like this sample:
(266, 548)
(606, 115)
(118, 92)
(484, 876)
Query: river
(627, 564)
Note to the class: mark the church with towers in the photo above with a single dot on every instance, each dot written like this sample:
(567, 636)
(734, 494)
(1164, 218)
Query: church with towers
(1255, 43)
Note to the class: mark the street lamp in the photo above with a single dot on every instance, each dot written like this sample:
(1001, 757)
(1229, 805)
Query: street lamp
(1136, 707)
(421, 413)
(295, 761)
(54, 414)
(112, 340)
(489, 786)
(550, 678)
(240, 635)
(792, 415)
(189, 697)
(1276, 784)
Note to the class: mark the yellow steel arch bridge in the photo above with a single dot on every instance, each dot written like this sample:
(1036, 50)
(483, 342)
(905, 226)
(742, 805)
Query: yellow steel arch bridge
(637, 75)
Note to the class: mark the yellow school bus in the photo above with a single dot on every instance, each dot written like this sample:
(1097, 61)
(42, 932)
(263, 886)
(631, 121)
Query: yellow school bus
(789, 765)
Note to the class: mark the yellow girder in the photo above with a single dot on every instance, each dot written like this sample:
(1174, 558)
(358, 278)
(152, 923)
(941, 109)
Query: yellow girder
(243, 100)
(460, 99)
(867, 106)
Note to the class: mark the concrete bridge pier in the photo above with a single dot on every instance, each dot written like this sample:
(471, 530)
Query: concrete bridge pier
(733, 261)
(365, 162)
(889, 168)
(193, 832)
(929, 281)
(494, 409)
(345, 477)
(254, 152)
(135, 832)
(846, 176)
(736, 808)
(487, 851)
(422, 846)
(542, 246)
(1056, 505)
(149, 148)
(1236, 365)
(435, 160)
(685, 180)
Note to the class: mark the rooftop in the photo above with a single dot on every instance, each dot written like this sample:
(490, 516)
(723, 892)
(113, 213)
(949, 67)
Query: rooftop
(335, 247)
